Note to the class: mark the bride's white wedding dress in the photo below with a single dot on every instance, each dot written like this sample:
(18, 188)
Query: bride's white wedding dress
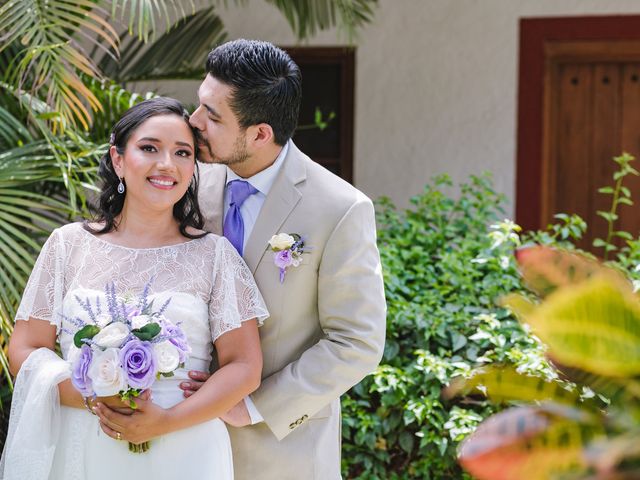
(211, 291)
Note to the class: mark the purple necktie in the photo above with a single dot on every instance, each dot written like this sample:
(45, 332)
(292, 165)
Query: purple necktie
(233, 227)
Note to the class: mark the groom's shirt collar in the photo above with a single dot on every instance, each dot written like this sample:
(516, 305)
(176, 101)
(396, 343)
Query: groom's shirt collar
(263, 181)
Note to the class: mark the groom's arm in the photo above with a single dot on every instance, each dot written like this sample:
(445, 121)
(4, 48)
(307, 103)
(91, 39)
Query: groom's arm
(352, 315)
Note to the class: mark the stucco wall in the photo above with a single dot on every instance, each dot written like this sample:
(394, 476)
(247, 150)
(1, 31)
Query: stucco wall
(436, 84)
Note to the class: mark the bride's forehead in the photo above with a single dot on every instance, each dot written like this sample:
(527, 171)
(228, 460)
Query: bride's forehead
(163, 128)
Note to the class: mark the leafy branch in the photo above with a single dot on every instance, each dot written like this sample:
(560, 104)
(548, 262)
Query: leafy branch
(621, 196)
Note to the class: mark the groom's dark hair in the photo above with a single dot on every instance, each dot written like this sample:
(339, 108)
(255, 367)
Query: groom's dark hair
(266, 84)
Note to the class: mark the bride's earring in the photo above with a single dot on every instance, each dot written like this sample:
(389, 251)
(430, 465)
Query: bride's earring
(120, 187)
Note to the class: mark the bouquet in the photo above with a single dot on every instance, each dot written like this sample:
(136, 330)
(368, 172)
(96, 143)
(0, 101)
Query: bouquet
(125, 348)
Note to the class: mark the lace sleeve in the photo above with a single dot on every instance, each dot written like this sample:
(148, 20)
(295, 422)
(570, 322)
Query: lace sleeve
(235, 297)
(42, 297)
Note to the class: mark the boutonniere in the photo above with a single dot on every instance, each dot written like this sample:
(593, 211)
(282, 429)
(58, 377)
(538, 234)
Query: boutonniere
(288, 249)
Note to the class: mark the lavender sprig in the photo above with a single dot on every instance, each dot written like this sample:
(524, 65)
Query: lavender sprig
(164, 306)
(86, 306)
(112, 301)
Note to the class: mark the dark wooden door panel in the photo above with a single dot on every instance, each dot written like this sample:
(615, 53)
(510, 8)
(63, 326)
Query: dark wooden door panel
(592, 115)
(630, 141)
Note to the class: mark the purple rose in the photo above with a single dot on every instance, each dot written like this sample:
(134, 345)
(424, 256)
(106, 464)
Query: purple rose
(79, 377)
(177, 337)
(139, 363)
(283, 259)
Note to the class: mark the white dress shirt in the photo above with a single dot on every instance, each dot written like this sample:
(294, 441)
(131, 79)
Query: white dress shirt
(250, 209)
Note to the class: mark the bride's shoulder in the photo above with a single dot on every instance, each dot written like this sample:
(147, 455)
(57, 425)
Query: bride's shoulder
(69, 229)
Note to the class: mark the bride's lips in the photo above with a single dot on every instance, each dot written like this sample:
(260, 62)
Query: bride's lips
(162, 182)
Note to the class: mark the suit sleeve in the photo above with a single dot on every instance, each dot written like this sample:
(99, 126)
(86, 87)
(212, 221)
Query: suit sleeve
(352, 315)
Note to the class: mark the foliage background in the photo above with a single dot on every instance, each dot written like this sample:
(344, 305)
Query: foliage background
(444, 268)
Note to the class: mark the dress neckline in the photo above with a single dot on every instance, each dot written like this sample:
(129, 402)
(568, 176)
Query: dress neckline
(135, 249)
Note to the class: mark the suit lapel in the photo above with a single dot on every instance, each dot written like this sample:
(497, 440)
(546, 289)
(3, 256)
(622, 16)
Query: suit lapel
(213, 179)
(282, 199)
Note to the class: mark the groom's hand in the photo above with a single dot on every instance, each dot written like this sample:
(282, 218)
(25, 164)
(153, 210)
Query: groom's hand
(192, 386)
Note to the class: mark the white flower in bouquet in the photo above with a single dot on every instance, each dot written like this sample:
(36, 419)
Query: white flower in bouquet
(282, 241)
(139, 321)
(107, 376)
(103, 319)
(112, 335)
(167, 356)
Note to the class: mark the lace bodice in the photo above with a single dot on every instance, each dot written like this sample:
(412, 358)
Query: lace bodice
(211, 289)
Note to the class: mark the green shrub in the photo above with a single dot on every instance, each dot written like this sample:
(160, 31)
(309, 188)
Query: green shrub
(444, 268)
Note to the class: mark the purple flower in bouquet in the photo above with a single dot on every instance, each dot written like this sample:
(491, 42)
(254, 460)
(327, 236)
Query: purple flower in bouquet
(139, 364)
(177, 337)
(80, 369)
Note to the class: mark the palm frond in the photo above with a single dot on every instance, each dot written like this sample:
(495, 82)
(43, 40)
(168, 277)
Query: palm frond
(142, 14)
(306, 17)
(179, 53)
(115, 100)
(75, 155)
(50, 58)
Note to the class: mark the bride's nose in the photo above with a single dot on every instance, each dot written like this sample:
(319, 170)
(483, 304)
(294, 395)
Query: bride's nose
(166, 161)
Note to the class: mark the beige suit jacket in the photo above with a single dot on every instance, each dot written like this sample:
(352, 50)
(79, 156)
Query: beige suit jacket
(327, 320)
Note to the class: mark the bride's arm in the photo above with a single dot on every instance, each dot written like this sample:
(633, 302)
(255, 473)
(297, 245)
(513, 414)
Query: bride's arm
(240, 359)
(33, 334)
(29, 336)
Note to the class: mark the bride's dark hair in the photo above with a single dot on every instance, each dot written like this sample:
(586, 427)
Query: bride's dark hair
(186, 211)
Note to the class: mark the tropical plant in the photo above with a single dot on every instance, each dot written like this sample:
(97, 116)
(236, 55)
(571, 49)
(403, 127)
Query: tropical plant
(589, 318)
(588, 314)
(443, 267)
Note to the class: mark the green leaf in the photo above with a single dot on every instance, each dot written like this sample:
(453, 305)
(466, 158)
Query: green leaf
(407, 441)
(86, 332)
(594, 326)
(608, 190)
(148, 332)
(505, 384)
(608, 216)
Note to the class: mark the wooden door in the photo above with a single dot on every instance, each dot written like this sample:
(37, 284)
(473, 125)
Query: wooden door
(592, 113)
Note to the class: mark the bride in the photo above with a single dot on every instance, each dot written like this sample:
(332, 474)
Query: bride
(148, 233)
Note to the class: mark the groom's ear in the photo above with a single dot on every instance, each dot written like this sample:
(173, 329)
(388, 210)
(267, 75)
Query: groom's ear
(261, 134)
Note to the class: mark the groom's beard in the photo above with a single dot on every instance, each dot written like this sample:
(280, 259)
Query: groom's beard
(238, 155)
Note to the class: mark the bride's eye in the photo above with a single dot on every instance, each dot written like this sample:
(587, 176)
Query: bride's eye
(148, 148)
(184, 153)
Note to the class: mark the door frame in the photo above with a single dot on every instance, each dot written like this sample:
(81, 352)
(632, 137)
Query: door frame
(538, 37)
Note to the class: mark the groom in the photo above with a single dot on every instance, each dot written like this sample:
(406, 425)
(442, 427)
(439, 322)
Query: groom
(327, 325)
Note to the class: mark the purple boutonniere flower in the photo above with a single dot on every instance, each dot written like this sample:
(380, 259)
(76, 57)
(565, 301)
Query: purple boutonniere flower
(288, 250)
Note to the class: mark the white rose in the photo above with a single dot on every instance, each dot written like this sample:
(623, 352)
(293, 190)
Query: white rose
(103, 320)
(112, 335)
(282, 241)
(167, 356)
(107, 376)
(140, 321)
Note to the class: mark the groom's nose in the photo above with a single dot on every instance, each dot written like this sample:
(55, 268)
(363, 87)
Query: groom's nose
(195, 118)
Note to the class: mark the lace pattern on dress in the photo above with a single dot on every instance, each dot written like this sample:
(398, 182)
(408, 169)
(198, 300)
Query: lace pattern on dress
(208, 268)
